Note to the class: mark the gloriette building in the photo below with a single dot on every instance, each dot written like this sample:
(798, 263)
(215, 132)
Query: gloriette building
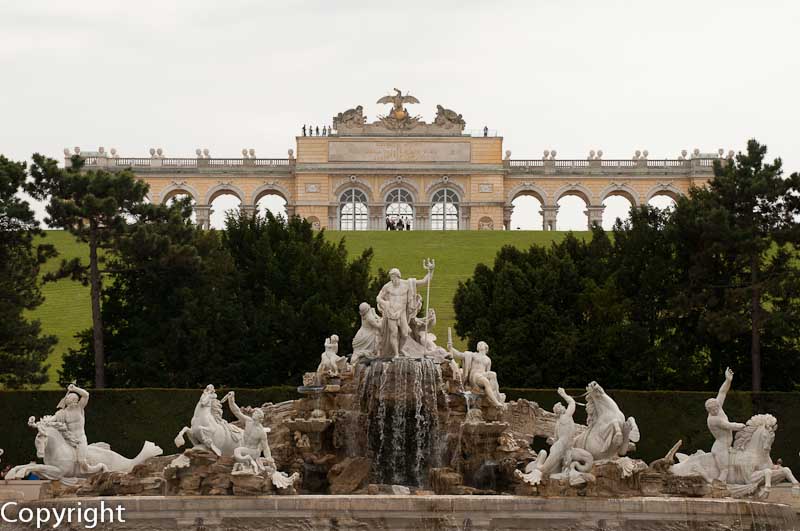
(355, 174)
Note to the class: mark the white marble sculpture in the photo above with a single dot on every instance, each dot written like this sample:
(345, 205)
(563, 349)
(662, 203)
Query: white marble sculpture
(61, 442)
(476, 369)
(208, 430)
(564, 461)
(608, 435)
(331, 364)
(368, 337)
(397, 303)
(747, 467)
(254, 457)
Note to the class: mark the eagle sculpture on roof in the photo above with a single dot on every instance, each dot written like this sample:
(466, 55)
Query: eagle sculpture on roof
(398, 112)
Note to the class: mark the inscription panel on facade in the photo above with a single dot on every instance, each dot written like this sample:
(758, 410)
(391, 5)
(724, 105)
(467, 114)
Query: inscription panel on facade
(398, 151)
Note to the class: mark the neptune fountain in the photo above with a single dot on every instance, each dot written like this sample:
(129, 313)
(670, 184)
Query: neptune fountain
(405, 433)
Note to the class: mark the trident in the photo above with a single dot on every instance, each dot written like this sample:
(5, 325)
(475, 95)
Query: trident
(428, 264)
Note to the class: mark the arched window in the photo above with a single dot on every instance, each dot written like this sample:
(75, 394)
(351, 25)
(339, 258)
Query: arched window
(444, 210)
(353, 213)
(399, 205)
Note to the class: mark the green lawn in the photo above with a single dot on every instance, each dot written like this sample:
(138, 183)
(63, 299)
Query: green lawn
(66, 309)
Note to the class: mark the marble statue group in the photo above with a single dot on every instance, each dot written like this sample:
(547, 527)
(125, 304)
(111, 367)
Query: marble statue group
(397, 331)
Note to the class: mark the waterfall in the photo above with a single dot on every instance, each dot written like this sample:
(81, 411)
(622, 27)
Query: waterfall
(402, 400)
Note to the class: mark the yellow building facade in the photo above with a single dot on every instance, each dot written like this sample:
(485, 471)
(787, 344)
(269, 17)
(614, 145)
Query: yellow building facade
(357, 175)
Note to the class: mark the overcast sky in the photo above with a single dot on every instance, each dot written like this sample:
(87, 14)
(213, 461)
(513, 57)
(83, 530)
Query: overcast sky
(571, 76)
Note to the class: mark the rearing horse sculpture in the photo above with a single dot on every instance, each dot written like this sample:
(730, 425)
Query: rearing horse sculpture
(208, 429)
(608, 435)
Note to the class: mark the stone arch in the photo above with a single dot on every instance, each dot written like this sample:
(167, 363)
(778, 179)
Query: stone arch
(528, 189)
(223, 188)
(576, 189)
(457, 188)
(178, 188)
(622, 190)
(405, 184)
(667, 189)
(271, 188)
(350, 183)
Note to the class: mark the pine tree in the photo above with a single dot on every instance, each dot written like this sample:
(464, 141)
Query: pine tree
(23, 348)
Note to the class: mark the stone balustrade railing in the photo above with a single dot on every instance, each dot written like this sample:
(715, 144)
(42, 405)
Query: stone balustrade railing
(550, 165)
(96, 161)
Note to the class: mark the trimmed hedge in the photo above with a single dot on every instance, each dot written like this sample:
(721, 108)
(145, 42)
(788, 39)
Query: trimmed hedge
(125, 418)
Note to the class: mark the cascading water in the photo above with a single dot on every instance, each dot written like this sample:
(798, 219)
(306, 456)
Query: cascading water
(402, 400)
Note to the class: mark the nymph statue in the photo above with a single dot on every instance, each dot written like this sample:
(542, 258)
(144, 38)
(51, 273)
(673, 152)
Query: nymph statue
(330, 362)
(368, 337)
(477, 372)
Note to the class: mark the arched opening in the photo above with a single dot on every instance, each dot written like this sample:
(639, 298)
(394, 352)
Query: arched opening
(444, 210)
(399, 208)
(272, 202)
(178, 195)
(617, 206)
(662, 201)
(572, 212)
(222, 204)
(353, 212)
(527, 214)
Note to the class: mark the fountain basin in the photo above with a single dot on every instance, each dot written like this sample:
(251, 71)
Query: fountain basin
(436, 512)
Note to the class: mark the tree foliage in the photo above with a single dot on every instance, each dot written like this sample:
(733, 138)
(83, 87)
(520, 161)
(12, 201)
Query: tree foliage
(250, 306)
(23, 348)
(96, 206)
(670, 300)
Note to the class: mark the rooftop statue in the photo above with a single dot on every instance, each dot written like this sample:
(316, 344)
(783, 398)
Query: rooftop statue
(608, 435)
(61, 442)
(350, 117)
(448, 118)
(398, 112)
(208, 429)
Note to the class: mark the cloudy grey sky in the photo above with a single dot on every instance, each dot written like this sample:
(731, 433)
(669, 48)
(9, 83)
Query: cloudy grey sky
(571, 76)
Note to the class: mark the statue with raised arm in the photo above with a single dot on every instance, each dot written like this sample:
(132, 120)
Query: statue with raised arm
(721, 428)
(563, 458)
(477, 372)
(397, 302)
(254, 456)
(61, 442)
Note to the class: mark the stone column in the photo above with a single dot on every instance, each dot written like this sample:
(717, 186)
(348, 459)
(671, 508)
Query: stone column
(595, 215)
(422, 217)
(464, 211)
(549, 214)
(290, 211)
(377, 218)
(249, 210)
(203, 216)
(333, 215)
(507, 212)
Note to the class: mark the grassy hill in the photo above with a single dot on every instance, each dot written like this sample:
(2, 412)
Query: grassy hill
(66, 309)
